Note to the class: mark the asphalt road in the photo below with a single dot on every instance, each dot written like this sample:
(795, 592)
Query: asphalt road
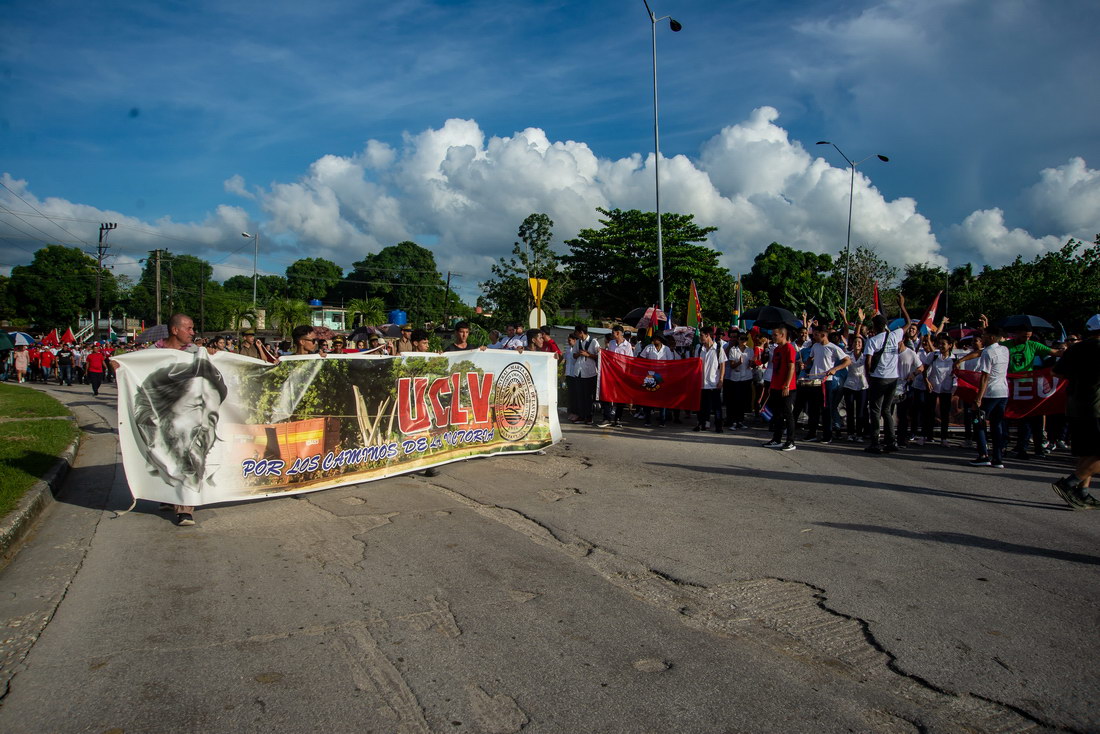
(632, 580)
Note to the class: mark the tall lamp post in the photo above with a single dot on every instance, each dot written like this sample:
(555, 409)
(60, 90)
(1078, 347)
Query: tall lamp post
(255, 260)
(851, 195)
(675, 27)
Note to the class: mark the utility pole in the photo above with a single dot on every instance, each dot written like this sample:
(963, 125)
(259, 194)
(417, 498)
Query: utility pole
(156, 256)
(446, 298)
(101, 251)
(171, 287)
(202, 301)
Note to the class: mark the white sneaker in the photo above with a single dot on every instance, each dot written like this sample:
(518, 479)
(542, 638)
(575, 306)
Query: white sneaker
(773, 445)
(788, 447)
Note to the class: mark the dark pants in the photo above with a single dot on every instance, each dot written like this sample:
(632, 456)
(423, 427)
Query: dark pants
(942, 400)
(66, 374)
(662, 413)
(710, 403)
(998, 428)
(880, 401)
(586, 395)
(819, 400)
(738, 400)
(612, 411)
(1031, 428)
(96, 378)
(855, 405)
(908, 407)
(782, 409)
(572, 393)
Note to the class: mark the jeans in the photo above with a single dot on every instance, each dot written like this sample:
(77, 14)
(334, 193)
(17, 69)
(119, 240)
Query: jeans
(998, 426)
(880, 399)
(818, 400)
(66, 375)
(96, 378)
(572, 391)
(738, 399)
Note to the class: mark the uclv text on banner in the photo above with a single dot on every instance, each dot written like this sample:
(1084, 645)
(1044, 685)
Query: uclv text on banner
(196, 429)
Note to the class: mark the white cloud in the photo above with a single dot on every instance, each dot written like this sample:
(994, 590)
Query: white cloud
(1067, 199)
(463, 194)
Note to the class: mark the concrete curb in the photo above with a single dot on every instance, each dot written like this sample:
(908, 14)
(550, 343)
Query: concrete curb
(19, 521)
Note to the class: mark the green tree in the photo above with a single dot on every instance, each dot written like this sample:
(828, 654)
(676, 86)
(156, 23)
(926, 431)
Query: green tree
(366, 311)
(312, 277)
(288, 313)
(405, 277)
(785, 276)
(614, 269)
(867, 269)
(7, 301)
(57, 287)
(267, 287)
(508, 293)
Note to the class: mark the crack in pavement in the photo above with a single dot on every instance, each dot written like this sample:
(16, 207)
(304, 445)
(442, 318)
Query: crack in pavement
(786, 616)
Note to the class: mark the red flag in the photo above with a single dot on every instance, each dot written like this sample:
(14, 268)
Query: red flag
(67, 337)
(1038, 392)
(695, 309)
(878, 308)
(50, 340)
(930, 315)
(657, 383)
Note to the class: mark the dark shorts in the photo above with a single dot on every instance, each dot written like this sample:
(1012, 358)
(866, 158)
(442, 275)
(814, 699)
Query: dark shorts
(1084, 434)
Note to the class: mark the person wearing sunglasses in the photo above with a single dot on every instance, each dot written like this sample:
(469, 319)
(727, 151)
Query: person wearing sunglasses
(304, 340)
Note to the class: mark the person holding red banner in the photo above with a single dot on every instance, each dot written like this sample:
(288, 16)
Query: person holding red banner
(1081, 366)
(714, 367)
(657, 351)
(1023, 353)
(992, 400)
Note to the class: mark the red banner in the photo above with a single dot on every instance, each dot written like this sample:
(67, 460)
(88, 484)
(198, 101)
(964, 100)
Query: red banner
(655, 383)
(1038, 392)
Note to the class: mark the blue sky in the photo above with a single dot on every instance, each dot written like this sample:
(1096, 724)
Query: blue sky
(142, 112)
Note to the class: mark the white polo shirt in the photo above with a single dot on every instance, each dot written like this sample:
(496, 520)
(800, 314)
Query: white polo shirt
(994, 362)
(712, 358)
(887, 343)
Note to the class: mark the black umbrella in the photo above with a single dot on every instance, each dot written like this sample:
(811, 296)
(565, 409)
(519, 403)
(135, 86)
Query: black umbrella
(751, 314)
(772, 316)
(1024, 322)
(153, 334)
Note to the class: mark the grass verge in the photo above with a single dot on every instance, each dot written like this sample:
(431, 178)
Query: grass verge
(29, 445)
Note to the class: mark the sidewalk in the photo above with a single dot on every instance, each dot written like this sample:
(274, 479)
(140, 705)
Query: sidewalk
(58, 525)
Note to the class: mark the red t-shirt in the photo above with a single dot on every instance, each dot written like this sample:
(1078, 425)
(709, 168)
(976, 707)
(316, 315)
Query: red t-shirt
(782, 358)
(95, 361)
(46, 357)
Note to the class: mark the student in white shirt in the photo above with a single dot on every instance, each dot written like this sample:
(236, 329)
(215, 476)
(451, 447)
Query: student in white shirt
(939, 378)
(908, 404)
(619, 344)
(657, 351)
(586, 351)
(881, 352)
(992, 400)
(514, 338)
(737, 387)
(855, 391)
(714, 363)
(826, 359)
(571, 387)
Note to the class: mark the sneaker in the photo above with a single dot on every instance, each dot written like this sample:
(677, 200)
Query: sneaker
(773, 445)
(826, 441)
(788, 447)
(811, 439)
(997, 465)
(1071, 492)
(981, 462)
(602, 424)
(647, 424)
(697, 427)
(1061, 446)
(184, 519)
(616, 424)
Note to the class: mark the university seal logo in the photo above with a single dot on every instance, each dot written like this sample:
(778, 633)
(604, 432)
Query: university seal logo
(652, 381)
(515, 402)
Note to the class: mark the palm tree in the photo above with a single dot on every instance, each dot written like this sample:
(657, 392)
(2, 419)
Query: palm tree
(288, 313)
(239, 311)
(370, 311)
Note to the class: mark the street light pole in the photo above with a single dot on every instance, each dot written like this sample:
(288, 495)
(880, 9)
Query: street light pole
(255, 261)
(851, 198)
(675, 27)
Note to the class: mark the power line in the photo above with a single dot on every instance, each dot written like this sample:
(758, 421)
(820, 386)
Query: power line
(32, 206)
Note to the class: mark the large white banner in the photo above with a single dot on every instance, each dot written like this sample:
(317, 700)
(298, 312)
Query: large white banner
(196, 429)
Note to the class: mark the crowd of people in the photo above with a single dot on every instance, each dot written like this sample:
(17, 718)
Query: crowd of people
(871, 382)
